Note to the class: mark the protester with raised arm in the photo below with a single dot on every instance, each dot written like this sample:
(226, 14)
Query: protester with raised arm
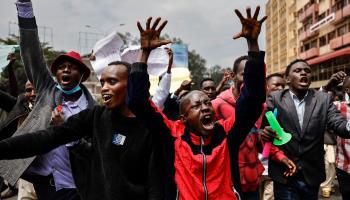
(163, 89)
(50, 173)
(201, 153)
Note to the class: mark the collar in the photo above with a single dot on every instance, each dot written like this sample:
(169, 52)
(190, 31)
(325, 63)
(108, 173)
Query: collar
(295, 97)
(196, 140)
(82, 99)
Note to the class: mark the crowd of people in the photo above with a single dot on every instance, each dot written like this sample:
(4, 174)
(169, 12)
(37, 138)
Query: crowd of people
(58, 143)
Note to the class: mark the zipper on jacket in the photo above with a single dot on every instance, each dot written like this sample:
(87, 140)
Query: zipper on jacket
(204, 177)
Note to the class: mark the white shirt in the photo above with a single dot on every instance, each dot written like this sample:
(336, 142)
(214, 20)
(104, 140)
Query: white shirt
(162, 91)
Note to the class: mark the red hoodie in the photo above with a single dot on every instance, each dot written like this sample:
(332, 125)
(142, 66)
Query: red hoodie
(250, 166)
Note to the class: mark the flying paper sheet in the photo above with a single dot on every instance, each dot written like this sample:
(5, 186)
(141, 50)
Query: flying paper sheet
(179, 70)
(106, 51)
(180, 53)
(4, 52)
(157, 62)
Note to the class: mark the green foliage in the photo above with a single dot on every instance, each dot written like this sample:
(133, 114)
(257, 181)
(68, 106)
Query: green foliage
(196, 65)
(49, 53)
(217, 72)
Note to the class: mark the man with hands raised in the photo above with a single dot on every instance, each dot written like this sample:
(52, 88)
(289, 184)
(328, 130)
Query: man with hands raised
(201, 153)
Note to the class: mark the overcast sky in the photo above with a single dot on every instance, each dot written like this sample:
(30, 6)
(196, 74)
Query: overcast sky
(206, 25)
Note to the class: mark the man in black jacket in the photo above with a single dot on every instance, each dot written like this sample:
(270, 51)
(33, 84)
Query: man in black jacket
(18, 109)
(124, 160)
(305, 113)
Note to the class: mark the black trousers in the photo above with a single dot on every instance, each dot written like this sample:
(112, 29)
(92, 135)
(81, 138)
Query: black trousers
(2, 185)
(344, 183)
(45, 189)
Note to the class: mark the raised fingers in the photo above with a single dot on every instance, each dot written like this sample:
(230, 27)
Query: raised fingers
(162, 26)
(263, 19)
(148, 23)
(140, 27)
(249, 15)
(155, 24)
(239, 15)
(256, 13)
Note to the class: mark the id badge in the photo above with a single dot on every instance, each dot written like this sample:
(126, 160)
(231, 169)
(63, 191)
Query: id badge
(118, 139)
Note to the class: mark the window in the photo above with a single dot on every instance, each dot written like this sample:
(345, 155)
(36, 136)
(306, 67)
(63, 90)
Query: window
(341, 30)
(321, 16)
(313, 43)
(323, 41)
(307, 46)
(331, 35)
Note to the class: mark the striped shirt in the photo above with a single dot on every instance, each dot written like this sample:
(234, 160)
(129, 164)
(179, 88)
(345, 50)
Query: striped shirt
(343, 145)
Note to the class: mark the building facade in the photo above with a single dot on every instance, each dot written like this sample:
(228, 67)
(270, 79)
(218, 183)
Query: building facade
(281, 34)
(315, 30)
(324, 37)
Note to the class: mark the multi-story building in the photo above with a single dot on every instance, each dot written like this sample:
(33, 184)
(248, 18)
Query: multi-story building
(324, 37)
(281, 34)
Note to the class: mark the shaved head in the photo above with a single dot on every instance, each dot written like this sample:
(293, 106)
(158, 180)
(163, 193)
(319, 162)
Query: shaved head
(185, 100)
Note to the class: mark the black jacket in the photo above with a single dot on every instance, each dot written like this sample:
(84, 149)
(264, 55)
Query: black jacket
(129, 171)
(16, 108)
(306, 146)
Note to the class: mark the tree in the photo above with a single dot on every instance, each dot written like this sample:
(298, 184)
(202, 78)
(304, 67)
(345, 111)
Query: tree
(49, 53)
(196, 63)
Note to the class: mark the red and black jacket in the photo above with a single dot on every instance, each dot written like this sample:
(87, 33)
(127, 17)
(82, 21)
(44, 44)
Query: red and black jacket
(198, 167)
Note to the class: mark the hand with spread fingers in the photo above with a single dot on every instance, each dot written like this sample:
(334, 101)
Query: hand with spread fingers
(251, 26)
(149, 37)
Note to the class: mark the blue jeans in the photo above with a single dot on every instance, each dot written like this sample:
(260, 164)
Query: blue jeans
(295, 189)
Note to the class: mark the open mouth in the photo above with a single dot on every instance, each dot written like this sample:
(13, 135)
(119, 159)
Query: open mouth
(106, 98)
(66, 79)
(207, 122)
(304, 81)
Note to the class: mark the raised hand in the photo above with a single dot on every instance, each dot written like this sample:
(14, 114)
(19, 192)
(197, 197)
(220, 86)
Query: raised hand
(170, 54)
(11, 57)
(335, 80)
(226, 77)
(251, 26)
(149, 37)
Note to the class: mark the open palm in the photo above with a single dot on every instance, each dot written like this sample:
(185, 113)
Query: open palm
(150, 36)
(251, 26)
